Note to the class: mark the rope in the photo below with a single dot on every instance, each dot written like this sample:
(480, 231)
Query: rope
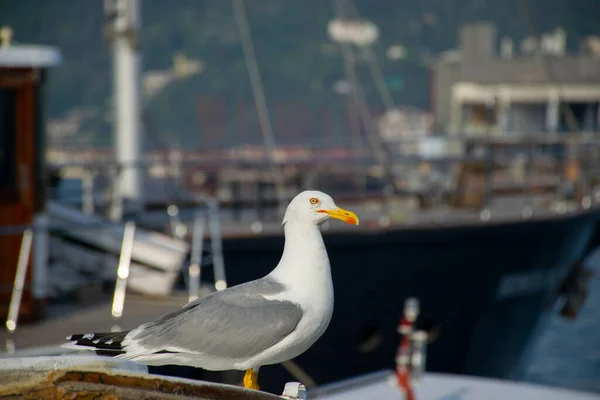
(260, 101)
(375, 142)
(375, 68)
(255, 79)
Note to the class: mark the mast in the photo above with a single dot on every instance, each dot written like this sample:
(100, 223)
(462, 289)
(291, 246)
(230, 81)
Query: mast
(123, 17)
(260, 102)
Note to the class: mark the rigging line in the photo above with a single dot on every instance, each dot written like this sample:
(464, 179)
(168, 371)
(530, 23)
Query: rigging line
(378, 78)
(355, 87)
(364, 111)
(354, 121)
(377, 75)
(260, 101)
(375, 68)
(354, 99)
(526, 15)
(255, 79)
(368, 120)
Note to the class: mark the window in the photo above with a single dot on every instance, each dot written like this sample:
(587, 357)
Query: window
(483, 115)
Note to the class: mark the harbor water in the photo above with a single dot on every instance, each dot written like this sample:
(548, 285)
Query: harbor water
(567, 352)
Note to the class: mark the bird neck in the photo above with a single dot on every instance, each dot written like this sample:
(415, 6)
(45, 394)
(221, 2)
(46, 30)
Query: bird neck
(304, 258)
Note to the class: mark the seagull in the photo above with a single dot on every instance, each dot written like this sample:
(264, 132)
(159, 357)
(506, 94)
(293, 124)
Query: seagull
(266, 321)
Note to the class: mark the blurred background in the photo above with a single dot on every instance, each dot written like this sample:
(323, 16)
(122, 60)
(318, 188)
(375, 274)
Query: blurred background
(464, 133)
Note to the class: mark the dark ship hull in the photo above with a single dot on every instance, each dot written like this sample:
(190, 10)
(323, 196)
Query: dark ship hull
(483, 287)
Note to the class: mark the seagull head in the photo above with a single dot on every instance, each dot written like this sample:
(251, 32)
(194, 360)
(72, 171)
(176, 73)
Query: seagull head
(316, 207)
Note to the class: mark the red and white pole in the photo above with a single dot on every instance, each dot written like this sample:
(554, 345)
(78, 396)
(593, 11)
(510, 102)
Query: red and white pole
(403, 355)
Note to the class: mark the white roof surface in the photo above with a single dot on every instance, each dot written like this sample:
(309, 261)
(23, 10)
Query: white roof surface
(382, 386)
(29, 56)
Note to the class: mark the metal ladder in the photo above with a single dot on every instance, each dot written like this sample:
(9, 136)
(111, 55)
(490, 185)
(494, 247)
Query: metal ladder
(36, 235)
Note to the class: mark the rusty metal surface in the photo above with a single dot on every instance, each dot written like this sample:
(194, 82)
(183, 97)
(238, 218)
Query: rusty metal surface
(72, 378)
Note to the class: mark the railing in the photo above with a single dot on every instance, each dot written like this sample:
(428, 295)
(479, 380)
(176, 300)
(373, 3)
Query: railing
(123, 272)
(37, 235)
(497, 155)
(17, 293)
(178, 229)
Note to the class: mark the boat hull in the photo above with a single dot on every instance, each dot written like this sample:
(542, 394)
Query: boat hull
(485, 286)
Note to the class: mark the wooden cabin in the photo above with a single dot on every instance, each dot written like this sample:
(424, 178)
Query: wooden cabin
(23, 73)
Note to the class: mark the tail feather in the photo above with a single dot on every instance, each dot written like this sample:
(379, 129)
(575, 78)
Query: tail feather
(107, 343)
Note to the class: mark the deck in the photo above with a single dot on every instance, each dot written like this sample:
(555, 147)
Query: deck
(90, 313)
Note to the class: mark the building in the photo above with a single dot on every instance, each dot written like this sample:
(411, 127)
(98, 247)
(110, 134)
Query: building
(479, 90)
(404, 122)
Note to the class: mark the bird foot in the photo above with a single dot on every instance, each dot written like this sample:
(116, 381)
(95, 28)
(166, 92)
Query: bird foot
(251, 379)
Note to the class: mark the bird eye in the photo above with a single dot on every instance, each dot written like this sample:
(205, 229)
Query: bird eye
(314, 200)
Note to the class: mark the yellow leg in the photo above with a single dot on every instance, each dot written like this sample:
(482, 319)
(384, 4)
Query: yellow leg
(251, 379)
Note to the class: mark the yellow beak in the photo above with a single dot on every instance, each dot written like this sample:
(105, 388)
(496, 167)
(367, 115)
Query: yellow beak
(345, 215)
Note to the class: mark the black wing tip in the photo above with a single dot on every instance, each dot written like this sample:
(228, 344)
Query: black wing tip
(105, 341)
(80, 336)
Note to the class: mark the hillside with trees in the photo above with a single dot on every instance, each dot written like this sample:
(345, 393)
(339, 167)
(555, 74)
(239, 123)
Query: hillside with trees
(298, 62)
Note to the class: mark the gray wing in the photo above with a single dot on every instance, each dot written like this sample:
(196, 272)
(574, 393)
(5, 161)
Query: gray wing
(232, 323)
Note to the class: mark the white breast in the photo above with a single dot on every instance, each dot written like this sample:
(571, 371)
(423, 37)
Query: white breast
(315, 320)
(304, 270)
